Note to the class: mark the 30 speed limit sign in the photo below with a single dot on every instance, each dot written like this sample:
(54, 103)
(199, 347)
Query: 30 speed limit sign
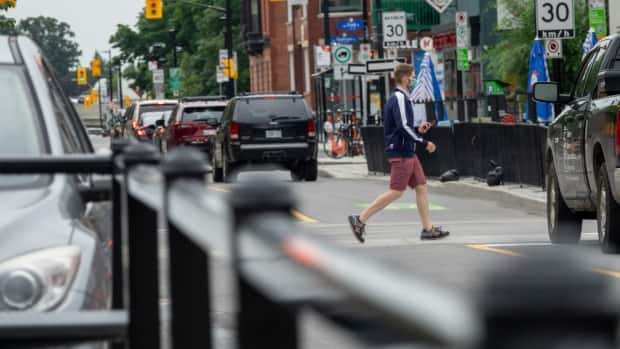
(553, 48)
(555, 19)
(394, 29)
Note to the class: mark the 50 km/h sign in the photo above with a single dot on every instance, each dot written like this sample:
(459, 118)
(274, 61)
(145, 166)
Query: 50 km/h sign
(394, 28)
(555, 19)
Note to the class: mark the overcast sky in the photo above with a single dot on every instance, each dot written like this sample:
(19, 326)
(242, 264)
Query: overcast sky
(93, 21)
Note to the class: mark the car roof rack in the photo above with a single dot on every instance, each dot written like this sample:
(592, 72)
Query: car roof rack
(202, 98)
(269, 93)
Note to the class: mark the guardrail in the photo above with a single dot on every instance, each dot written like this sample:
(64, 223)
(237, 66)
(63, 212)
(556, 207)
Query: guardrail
(279, 271)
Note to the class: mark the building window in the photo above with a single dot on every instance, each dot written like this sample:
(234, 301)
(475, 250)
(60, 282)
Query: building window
(344, 5)
(255, 23)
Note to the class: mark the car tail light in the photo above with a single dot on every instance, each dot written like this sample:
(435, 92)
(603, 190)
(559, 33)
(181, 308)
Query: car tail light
(134, 124)
(184, 129)
(311, 129)
(234, 130)
(141, 133)
(618, 134)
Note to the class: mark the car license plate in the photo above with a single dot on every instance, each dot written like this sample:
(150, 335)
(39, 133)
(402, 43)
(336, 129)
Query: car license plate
(273, 134)
(209, 132)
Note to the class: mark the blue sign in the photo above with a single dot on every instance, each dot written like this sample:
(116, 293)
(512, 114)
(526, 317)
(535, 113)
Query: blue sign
(345, 39)
(350, 25)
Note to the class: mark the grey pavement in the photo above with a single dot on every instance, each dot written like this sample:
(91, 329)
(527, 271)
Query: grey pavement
(488, 231)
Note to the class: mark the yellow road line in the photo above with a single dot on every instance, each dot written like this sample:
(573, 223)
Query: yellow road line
(495, 250)
(611, 273)
(302, 217)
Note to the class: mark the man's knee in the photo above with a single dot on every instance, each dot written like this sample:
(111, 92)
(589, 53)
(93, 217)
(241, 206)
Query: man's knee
(421, 189)
(396, 194)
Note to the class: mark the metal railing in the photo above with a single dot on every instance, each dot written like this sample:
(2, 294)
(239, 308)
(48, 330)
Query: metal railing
(279, 270)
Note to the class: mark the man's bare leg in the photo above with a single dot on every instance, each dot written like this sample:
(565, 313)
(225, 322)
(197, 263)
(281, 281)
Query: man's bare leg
(421, 198)
(379, 204)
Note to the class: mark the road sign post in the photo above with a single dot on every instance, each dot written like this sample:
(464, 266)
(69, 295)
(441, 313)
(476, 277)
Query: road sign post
(555, 19)
(158, 83)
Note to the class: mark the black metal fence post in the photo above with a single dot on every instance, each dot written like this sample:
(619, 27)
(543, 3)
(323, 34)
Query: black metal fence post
(261, 322)
(140, 232)
(117, 146)
(189, 264)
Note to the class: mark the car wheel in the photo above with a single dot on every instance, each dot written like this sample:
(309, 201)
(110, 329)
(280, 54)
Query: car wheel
(228, 170)
(563, 225)
(311, 170)
(218, 174)
(607, 215)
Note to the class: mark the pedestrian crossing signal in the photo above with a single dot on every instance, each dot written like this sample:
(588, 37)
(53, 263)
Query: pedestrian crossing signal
(82, 76)
(154, 9)
(95, 67)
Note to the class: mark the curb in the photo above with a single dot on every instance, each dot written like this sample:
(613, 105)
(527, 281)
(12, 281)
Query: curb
(463, 189)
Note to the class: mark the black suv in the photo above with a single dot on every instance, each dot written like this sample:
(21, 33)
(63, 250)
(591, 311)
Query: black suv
(266, 129)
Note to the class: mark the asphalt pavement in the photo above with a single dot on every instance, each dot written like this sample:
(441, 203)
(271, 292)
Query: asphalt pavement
(486, 234)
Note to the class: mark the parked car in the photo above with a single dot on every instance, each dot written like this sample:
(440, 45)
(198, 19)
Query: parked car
(133, 114)
(55, 252)
(583, 149)
(268, 128)
(193, 122)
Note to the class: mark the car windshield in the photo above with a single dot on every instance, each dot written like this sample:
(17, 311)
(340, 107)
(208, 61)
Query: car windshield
(265, 109)
(202, 113)
(160, 108)
(20, 131)
(147, 119)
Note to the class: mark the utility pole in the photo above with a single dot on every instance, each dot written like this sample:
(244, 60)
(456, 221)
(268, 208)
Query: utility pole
(326, 31)
(120, 84)
(230, 86)
(173, 36)
(382, 79)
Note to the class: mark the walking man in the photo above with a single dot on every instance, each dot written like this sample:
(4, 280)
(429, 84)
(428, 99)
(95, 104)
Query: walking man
(401, 140)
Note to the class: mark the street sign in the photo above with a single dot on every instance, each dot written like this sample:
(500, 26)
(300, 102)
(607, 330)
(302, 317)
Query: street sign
(350, 25)
(426, 43)
(221, 76)
(395, 27)
(364, 54)
(462, 19)
(553, 48)
(598, 21)
(462, 59)
(223, 54)
(555, 19)
(381, 65)
(357, 69)
(463, 36)
(341, 72)
(158, 76)
(345, 39)
(439, 5)
(343, 54)
(322, 56)
(175, 80)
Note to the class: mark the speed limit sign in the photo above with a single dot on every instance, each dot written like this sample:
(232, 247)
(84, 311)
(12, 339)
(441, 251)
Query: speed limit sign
(394, 29)
(555, 19)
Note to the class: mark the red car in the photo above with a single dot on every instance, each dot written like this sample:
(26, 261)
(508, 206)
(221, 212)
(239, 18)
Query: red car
(194, 122)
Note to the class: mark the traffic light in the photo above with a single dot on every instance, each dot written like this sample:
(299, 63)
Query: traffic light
(154, 9)
(230, 69)
(95, 67)
(88, 101)
(94, 95)
(127, 101)
(82, 76)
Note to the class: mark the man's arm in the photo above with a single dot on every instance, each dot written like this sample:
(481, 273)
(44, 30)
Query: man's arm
(400, 117)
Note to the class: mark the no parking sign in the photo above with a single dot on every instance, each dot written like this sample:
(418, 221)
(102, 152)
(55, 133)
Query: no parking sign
(553, 48)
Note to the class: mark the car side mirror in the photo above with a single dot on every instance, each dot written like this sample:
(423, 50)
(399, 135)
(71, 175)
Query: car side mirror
(212, 122)
(547, 92)
(160, 123)
(609, 83)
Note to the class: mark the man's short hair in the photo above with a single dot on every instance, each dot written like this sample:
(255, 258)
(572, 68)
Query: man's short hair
(401, 70)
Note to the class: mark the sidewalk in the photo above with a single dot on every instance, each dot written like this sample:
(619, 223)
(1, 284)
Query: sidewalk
(525, 196)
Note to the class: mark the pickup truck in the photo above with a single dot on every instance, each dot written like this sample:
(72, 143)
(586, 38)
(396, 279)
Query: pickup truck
(583, 150)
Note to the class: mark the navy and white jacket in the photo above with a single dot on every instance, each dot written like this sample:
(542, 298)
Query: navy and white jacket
(401, 137)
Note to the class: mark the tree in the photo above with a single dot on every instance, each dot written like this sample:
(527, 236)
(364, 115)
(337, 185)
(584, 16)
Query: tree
(56, 40)
(199, 34)
(509, 59)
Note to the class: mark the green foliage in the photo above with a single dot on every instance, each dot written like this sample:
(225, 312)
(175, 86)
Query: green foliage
(57, 42)
(509, 59)
(199, 32)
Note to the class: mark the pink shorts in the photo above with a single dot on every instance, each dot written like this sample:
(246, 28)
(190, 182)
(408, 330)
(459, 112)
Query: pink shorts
(406, 171)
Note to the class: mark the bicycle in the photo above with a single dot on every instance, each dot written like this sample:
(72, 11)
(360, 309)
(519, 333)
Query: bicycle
(343, 139)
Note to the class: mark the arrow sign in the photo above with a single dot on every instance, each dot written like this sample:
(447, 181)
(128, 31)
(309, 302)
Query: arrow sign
(350, 25)
(439, 5)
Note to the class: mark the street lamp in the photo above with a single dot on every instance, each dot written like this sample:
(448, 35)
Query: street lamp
(173, 35)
